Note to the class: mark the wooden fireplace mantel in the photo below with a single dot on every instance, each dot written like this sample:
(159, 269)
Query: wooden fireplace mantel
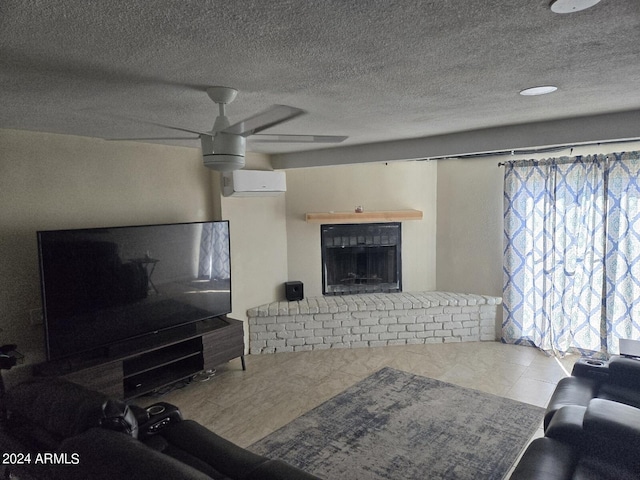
(364, 217)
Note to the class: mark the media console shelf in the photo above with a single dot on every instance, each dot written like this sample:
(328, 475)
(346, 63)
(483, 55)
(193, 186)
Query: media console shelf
(151, 371)
(143, 365)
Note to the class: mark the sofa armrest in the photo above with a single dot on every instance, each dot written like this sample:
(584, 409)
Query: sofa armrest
(603, 424)
(227, 457)
(604, 431)
(567, 425)
(546, 459)
(571, 391)
(102, 454)
(221, 454)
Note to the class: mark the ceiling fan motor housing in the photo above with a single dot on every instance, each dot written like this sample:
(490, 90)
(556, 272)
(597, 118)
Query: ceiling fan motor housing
(223, 151)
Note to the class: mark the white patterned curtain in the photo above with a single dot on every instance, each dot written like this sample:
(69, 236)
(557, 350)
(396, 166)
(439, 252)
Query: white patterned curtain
(622, 288)
(221, 262)
(214, 260)
(572, 253)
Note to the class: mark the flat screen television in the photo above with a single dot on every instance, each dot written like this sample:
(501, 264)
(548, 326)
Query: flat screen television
(104, 286)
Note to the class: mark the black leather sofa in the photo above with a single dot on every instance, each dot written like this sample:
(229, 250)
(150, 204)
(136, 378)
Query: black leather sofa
(69, 432)
(592, 426)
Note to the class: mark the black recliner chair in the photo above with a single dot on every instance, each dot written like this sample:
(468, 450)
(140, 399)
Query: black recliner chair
(592, 426)
(94, 437)
(617, 380)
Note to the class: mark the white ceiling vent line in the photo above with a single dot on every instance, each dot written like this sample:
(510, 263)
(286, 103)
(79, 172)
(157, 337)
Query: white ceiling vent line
(253, 183)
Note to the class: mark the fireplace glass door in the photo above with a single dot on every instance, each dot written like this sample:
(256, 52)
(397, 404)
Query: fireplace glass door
(361, 258)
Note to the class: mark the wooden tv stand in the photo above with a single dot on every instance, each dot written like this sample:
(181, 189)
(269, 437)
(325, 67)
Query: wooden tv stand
(140, 366)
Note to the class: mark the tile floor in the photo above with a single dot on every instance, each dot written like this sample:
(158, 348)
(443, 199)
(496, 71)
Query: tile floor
(244, 406)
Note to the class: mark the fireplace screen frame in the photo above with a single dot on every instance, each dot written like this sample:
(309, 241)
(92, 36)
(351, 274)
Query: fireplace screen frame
(359, 237)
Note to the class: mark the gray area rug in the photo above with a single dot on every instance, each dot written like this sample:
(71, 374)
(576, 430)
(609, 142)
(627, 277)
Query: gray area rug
(396, 425)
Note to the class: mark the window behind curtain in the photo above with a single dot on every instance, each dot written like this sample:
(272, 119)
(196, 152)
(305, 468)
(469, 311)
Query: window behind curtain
(572, 248)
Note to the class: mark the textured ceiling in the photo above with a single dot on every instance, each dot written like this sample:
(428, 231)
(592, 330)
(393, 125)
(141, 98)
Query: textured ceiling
(375, 70)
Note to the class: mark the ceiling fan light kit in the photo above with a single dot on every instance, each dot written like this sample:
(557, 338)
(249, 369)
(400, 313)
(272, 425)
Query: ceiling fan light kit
(223, 151)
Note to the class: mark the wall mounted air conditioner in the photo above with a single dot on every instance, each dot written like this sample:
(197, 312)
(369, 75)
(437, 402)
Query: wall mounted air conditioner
(253, 183)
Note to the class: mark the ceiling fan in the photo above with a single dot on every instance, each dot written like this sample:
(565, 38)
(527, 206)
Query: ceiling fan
(223, 148)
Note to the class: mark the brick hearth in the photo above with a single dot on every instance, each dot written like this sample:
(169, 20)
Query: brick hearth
(371, 320)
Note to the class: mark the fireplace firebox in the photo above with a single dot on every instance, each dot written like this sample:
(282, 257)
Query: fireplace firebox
(361, 258)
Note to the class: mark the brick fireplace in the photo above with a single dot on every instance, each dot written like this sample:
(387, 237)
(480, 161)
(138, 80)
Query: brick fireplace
(364, 302)
(361, 258)
(372, 320)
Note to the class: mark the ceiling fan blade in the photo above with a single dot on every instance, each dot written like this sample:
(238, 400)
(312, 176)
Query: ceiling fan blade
(149, 122)
(298, 138)
(140, 139)
(272, 116)
(171, 127)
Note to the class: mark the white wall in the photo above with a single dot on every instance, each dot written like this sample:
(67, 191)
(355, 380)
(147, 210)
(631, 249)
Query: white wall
(375, 186)
(59, 181)
(469, 238)
(258, 246)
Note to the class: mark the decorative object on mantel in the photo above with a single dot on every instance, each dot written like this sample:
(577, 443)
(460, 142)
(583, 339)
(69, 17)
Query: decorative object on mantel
(362, 217)
(359, 209)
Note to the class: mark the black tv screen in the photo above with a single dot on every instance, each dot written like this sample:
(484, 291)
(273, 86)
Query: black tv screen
(101, 286)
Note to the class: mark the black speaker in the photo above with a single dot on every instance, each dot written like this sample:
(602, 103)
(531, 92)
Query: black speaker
(294, 291)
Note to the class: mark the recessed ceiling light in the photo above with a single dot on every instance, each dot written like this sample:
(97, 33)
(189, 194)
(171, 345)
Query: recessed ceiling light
(543, 90)
(570, 6)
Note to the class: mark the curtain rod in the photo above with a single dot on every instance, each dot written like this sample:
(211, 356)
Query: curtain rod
(555, 149)
(537, 150)
(523, 151)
